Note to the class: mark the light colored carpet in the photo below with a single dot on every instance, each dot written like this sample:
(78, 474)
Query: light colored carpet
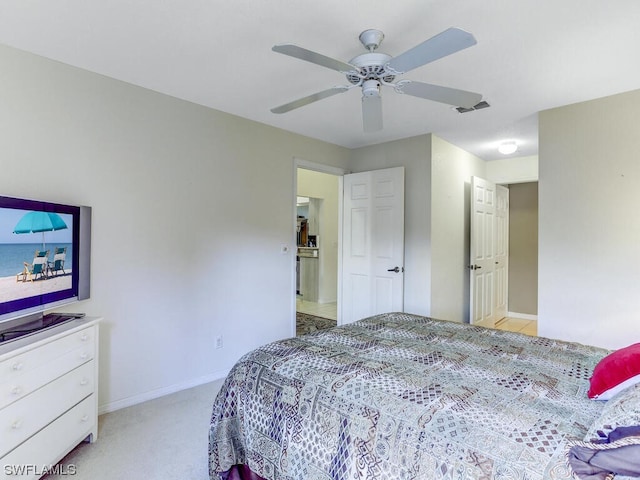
(166, 439)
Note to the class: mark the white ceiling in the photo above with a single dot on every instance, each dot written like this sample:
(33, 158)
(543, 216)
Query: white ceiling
(531, 55)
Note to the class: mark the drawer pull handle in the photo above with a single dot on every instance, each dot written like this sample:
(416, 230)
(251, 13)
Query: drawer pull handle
(16, 425)
(84, 418)
(16, 390)
(17, 366)
(84, 337)
(84, 382)
(84, 356)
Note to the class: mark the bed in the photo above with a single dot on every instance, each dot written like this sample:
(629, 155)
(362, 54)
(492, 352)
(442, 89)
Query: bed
(400, 396)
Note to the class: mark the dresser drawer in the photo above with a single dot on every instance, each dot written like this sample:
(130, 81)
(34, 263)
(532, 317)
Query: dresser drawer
(22, 419)
(28, 371)
(44, 449)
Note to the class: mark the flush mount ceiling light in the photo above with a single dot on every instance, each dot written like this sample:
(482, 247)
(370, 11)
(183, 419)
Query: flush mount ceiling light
(507, 148)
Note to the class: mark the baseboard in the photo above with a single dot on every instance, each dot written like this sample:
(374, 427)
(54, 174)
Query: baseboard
(160, 392)
(524, 316)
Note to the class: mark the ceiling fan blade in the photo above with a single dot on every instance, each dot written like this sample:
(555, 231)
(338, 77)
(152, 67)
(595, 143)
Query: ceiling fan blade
(371, 113)
(451, 96)
(445, 43)
(313, 57)
(301, 102)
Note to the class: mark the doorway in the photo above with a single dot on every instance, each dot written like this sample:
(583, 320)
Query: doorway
(507, 237)
(522, 314)
(523, 250)
(317, 219)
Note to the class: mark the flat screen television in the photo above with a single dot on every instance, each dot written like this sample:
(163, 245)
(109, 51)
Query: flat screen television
(45, 251)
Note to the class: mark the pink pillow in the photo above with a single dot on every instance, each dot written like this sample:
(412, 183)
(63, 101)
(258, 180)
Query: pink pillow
(615, 372)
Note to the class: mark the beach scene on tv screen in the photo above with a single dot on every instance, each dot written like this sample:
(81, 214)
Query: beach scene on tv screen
(35, 253)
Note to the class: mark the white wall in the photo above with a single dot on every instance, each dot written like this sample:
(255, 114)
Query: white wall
(190, 208)
(589, 275)
(451, 172)
(325, 187)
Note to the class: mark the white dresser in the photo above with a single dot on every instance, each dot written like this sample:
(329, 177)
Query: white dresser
(48, 397)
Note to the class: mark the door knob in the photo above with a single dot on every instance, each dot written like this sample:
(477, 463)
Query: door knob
(396, 269)
(473, 267)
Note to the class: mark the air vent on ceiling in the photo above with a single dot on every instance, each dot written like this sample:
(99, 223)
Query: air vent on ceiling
(477, 106)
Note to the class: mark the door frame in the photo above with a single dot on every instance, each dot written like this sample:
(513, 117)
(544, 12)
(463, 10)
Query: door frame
(316, 167)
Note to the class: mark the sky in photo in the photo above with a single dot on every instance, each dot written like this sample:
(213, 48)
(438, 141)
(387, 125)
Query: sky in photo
(10, 217)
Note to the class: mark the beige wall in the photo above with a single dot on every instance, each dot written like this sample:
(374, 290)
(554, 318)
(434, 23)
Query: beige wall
(437, 176)
(437, 207)
(523, 248)
(415, 155)
(190, 209)
(513, 170)
(589, 221)
(452, 169)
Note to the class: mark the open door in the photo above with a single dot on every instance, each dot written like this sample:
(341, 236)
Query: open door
(372, 278)
(502, 252)
(489, 252)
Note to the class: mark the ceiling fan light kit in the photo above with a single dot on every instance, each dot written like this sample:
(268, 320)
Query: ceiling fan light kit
(371, 88)
(371, 70)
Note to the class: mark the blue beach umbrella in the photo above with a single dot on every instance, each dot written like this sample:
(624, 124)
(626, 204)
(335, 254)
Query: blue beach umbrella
(36, 222)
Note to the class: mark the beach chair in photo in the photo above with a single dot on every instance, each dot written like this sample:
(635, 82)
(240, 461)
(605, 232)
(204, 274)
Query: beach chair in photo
(59, 254)
(38, 267)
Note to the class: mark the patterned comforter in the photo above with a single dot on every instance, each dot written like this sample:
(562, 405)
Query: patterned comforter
(399, 396)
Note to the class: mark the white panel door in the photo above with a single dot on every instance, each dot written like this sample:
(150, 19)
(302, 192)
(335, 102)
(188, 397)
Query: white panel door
(372, 243)
(482, 255)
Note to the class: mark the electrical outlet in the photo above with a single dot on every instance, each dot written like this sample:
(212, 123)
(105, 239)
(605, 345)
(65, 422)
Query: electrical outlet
(219, 341)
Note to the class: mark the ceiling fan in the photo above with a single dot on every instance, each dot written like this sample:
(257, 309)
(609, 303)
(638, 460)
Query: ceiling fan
(371, 70)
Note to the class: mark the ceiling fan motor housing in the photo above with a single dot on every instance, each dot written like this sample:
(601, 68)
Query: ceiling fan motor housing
(370, 67)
